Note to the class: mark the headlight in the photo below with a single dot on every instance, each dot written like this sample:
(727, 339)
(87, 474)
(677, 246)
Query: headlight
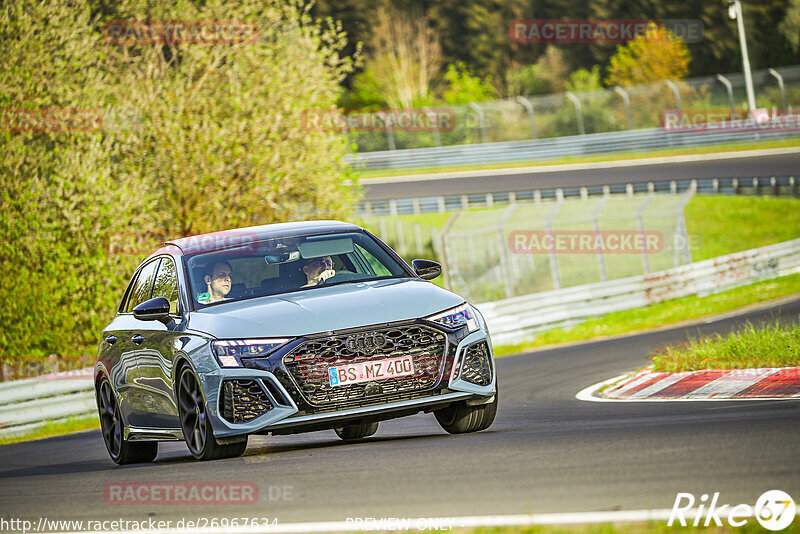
(457, 317)
(229, 351)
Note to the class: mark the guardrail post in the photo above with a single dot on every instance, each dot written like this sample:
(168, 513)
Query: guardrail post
(481, 120)
(489, 200)
(629, 190)
(464, 202)
(627, 102)
(578, 110)
(756, 188)
(393, 207)
(441, 205)
(793, 185)
(729, 88)
(529, 109)
(773, 185)
(715, 183)
(506, 259)
(675, 92)
(584, 193)
(775, 74)
(415, 206)
(435, 119)
(512, 197)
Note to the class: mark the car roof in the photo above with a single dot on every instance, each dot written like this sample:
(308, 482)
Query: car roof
(237, 236)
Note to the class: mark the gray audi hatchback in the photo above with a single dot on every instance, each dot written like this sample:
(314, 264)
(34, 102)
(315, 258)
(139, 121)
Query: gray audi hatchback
(281, 329)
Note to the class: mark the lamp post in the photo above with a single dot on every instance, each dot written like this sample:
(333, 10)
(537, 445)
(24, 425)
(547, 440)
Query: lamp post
(735, 13)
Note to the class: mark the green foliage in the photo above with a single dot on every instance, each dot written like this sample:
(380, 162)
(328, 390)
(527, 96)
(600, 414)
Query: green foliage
(657, 55)
(195, 138)
(464, 87)
(584, 80)
(525, 81)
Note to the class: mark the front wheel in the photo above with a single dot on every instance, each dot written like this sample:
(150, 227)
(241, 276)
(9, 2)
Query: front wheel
(196, 424)
(358, 431)
(121, 450)
(459, 418)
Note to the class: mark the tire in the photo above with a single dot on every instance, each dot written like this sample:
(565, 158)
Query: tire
(196, 424)
(458, 418)
(357, 431)
(121, 450)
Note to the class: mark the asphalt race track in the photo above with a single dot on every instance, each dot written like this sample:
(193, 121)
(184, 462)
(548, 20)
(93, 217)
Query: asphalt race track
(546, 452)
(772, 165)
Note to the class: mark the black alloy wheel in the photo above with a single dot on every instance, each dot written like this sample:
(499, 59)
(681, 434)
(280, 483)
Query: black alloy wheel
(121, 451)
(196, 425)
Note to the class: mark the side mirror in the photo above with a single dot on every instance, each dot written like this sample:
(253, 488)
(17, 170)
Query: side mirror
(156, 309)
(427, 269)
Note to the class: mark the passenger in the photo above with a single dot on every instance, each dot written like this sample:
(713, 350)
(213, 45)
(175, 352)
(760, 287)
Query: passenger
(318, 270)
(218, 280)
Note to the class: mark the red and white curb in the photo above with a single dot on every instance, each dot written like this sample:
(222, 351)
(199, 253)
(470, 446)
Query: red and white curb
(713, 384)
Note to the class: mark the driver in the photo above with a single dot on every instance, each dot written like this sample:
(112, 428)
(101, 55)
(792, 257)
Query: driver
(318, 270)
(218, 280)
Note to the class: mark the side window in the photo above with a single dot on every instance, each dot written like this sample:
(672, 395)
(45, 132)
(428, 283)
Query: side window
(166, 284)
(144, 286)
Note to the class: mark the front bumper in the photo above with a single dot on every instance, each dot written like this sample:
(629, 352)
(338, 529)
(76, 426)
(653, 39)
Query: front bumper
(288, 410)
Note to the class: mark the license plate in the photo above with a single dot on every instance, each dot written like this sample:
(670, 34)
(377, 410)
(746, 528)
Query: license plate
(354, 373)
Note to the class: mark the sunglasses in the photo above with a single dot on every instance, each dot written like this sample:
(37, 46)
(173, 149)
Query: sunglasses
(325, 263)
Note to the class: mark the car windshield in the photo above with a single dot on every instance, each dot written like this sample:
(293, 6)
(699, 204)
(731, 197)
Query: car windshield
(267, 267)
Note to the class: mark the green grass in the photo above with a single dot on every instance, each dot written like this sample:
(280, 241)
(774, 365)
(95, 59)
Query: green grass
(711, 149)
(774, 345)
(56, 428)
(723, 225)
(661, 314)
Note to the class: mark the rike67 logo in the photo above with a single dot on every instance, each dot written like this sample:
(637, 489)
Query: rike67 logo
(774, 510)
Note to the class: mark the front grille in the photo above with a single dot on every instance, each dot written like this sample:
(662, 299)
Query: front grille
(476, 367)
(243, 401)
(309, 362)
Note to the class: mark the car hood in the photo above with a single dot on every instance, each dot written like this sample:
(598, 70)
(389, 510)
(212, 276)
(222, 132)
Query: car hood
(324, 309)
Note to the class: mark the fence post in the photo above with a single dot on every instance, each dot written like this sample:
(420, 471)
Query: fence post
(601, 258)
(554, 274)
(418, 236)
(481, 120)
(529, 109)
(433, 118)
(675, 92)
(640, 225)
(729, 88)
(578, 111)
(775, 74)
(627, 101)
(506, 260)
(389, 130)
(443, 259)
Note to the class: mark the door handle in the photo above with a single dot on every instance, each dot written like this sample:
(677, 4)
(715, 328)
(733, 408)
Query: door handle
(137, 339)
(111, 340)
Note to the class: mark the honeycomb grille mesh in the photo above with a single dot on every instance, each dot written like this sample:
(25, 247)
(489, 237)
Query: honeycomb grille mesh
(243, 401)
(308, 364)
(476, 367)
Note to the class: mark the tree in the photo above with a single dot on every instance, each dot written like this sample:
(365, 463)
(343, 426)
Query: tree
(218, 137)
(406, 57)
(656, 55)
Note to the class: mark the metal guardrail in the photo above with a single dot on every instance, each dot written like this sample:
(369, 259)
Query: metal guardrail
(517, 319)
(761, 185)
(551, 148)
(29, 403)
